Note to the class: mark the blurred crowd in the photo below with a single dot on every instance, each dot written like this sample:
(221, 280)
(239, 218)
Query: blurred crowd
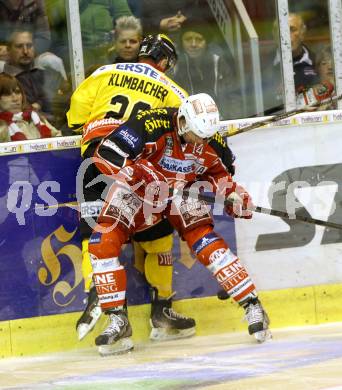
(34, 54)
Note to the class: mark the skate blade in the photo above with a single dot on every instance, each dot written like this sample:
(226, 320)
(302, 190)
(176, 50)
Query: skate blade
(121, 346)
(263, 335)
(163, 334)
(83, 329)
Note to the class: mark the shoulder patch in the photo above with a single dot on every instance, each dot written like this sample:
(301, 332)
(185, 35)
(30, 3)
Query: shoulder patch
(129, 137)
(219, 139)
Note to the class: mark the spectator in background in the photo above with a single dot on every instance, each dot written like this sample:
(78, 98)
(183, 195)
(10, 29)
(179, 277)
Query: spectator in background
(305, 75)
(20, 64)
(18, 121)
(97, 24)
(303, 59)
(170, 16)
(204, 67)
(29, 15)
(127, 38)
(166, 17)
(324, 65)
(3, 51)
(326, 74)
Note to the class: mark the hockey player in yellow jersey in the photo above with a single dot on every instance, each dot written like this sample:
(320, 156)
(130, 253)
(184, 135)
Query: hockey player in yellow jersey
(115, 92)
(104, 100)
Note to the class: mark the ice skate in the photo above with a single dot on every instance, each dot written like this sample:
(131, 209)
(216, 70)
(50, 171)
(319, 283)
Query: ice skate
(115, 339)
(258, 321)
(90, 316)
(166, 323)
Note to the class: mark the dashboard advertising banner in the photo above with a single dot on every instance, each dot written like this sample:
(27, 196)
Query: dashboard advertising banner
(297, 169)
(40, 244)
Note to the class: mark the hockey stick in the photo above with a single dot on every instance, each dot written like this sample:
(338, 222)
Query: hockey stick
(211, 200)
(279, 117)
(263, 210)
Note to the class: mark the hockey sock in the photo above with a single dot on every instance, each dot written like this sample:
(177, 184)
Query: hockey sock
(212, 251)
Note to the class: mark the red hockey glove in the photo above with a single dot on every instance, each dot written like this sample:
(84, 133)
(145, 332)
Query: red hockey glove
(242, 203)
(149, 184)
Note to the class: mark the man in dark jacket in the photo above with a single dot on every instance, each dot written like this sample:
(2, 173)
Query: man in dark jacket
(20, 64)
(304, 72)
(303, 59)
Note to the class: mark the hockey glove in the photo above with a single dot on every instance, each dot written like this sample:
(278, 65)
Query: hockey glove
(149, 184)
(242, 203)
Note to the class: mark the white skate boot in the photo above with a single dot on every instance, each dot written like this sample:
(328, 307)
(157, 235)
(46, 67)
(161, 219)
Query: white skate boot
(90, 316)
(258, 321)
(166, 323)
(115, 339)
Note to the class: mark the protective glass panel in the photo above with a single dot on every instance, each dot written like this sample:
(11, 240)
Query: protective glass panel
(97, 26)
(34, 85)
(263, 15)
(311, 51)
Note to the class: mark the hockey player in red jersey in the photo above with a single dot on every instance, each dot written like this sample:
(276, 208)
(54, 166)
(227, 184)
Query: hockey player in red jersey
(154, 151)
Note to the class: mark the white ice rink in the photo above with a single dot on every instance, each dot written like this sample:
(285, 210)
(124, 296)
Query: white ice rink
(305, 358)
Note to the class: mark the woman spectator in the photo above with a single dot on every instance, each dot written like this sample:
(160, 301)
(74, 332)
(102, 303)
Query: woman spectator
(126, 44)
(324, 64)
(18, 121)
(204, 67)
(326, 74)
(127, 38)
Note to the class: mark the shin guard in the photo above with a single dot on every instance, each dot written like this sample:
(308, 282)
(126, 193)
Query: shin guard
(232, 275)
(108, 274)
(212, 251)
(110, 282)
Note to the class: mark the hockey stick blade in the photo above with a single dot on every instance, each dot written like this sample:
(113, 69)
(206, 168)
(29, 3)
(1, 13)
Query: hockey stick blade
(279, 117)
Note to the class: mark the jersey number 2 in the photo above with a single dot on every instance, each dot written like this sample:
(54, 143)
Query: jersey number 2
(123, 102)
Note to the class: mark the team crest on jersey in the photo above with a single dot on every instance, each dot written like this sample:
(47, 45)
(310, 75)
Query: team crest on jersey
(123, 207)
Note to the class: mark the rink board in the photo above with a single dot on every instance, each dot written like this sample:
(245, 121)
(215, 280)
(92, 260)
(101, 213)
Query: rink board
(41, 267)
(291, 307)
(297, 270)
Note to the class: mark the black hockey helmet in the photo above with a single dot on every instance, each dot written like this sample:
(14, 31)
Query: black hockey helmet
(158, 47)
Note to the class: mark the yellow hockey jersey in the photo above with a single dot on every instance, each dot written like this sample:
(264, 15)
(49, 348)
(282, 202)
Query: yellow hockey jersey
(121, 90)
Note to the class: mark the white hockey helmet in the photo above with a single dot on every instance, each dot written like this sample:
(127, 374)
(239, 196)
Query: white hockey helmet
(201, 116)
